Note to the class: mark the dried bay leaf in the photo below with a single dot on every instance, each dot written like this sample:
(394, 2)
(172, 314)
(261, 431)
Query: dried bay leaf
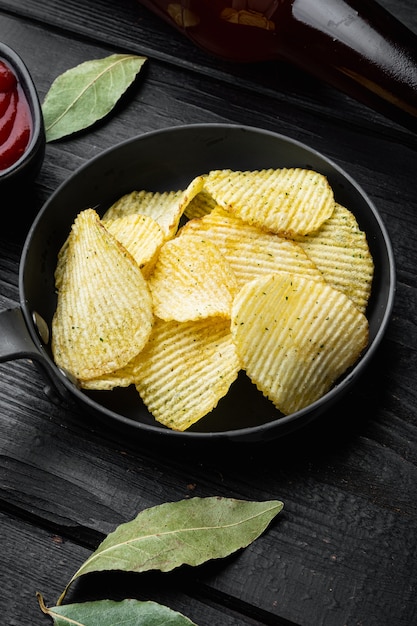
(86, 93)
(187, 532)
(109, 613)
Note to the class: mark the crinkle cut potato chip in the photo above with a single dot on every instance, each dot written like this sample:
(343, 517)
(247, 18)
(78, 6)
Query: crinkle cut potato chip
(185, 369)
(341, 252)
(270, 275)
(141, 235)
(202, 204)
(191, 280)
(296, 337)
(284, 201)
(165, 208)
(122, 377)
(104, 310)
(162, 207)
(251, 251)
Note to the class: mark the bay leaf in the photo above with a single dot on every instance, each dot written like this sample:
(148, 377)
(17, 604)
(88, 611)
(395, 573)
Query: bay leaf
(109, 613)
(189, 531)
(86, 93)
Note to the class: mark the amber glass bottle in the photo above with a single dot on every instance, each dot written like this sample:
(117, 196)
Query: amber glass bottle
(354, 45)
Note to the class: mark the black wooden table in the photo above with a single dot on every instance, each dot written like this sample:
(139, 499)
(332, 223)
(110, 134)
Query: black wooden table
(343, 552)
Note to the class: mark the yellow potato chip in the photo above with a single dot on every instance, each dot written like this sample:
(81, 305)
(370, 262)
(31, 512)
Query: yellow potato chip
(296, 337)
(165, 208)
(141, 235)
(162, 207)
(191, 280)
(185, 369)
(200, 205)
(104, 310)
(341, 252)
(284, 201)
(251, 251)
(122, 377)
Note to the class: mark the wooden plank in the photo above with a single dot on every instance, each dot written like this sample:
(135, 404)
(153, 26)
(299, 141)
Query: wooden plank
(342, 529)
(348, 482)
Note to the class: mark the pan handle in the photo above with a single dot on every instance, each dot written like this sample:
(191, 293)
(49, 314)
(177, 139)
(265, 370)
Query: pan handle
(15, 339)
(17, 343)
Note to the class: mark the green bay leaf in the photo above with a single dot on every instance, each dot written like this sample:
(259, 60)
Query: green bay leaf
(189, 532)
(86, 93)
(109, 613)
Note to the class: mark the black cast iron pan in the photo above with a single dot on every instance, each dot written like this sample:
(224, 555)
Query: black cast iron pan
(167, 160)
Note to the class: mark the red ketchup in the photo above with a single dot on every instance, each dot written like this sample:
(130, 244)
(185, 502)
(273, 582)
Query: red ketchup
(15, 118)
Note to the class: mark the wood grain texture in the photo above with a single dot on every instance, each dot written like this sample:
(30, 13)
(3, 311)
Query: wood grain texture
(343, 550)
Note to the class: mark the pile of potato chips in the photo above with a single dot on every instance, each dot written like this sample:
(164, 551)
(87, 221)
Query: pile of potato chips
(267, 273)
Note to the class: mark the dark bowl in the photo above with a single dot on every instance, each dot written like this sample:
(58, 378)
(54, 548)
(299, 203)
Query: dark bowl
(166, 160)
(27, 166)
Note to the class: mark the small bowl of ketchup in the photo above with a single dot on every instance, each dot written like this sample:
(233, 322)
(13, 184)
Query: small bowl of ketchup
(22, 134)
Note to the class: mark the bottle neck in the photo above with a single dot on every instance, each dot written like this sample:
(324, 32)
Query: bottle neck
(359, 48)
